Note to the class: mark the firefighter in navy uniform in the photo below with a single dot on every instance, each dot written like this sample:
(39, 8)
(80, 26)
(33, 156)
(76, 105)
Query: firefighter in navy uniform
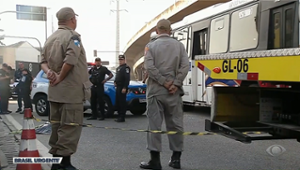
(98, 73)
(121, 83)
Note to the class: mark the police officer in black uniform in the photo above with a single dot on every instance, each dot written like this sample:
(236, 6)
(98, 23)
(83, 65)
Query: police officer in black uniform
(4, 88)
(121, 83)
(18, 76)
(97, 77)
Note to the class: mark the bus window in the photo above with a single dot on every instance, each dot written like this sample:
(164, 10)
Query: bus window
(219, 34)
(243, 33)
(281, 34)
(203, 38)
(289, 28)
(200, 43)
(183, 36)
(276, 30)
(189, 41)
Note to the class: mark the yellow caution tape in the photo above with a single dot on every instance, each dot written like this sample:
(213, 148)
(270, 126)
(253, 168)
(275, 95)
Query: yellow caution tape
(154, 131)
(149, 131)
(37, 119)
(20, 131)
(138, 130)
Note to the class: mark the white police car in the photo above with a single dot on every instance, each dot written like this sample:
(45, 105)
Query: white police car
(136, 96)
(14, 94)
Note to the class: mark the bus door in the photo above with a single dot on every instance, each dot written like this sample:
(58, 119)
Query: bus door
(283, 26)
(184, 36)
(200, 48)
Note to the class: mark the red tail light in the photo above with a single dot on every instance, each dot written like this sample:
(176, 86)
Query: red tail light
(137, 90)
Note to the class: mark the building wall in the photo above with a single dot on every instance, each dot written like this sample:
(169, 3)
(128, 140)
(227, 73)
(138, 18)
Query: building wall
(33, 67)
(27, 53)
(8, 56)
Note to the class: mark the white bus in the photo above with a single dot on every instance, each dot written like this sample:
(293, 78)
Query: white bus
(192, 31)
(238, 25)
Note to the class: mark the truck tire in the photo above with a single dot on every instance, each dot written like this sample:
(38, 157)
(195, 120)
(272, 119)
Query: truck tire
(42, 105)
(138, 111)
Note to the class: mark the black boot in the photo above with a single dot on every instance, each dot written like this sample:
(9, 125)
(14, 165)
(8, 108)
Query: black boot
(92, 118)
(154, 162)
(101, 117)
(175, 160)
(66, 163)
(56, 166)
(120, 120)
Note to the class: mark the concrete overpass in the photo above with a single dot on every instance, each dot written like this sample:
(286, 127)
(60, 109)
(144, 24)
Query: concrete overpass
(134, 49)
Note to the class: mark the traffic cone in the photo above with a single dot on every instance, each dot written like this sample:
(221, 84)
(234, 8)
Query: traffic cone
(28, 142)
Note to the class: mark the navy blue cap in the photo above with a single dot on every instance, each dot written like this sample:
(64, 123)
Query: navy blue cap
(121, 57)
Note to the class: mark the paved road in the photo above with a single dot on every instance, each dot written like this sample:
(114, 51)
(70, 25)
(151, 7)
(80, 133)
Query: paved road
(119, 150)
(9, 147)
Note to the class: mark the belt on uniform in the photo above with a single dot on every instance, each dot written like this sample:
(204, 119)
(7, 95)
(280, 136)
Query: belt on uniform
(97, 86)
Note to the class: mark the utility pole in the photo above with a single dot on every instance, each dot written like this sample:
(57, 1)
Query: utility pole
(117, 31)
(117, 10)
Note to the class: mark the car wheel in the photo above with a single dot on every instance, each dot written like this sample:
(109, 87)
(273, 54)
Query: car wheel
(138, 111)
(108, 107)
(42, 105)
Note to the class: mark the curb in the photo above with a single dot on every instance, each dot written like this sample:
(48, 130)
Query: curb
(13, 127)
(3, 158)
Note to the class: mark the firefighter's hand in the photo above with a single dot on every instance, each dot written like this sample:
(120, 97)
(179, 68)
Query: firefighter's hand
(168, 84)
(173, 89)
(56, 81)
(51, 75)
(123, 90)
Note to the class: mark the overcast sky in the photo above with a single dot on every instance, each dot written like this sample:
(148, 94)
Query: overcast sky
(96, 22)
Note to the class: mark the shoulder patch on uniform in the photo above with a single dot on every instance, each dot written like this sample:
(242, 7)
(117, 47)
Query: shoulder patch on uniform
(76, 40)
(77, 43)
(127, 70)
(75, 37)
